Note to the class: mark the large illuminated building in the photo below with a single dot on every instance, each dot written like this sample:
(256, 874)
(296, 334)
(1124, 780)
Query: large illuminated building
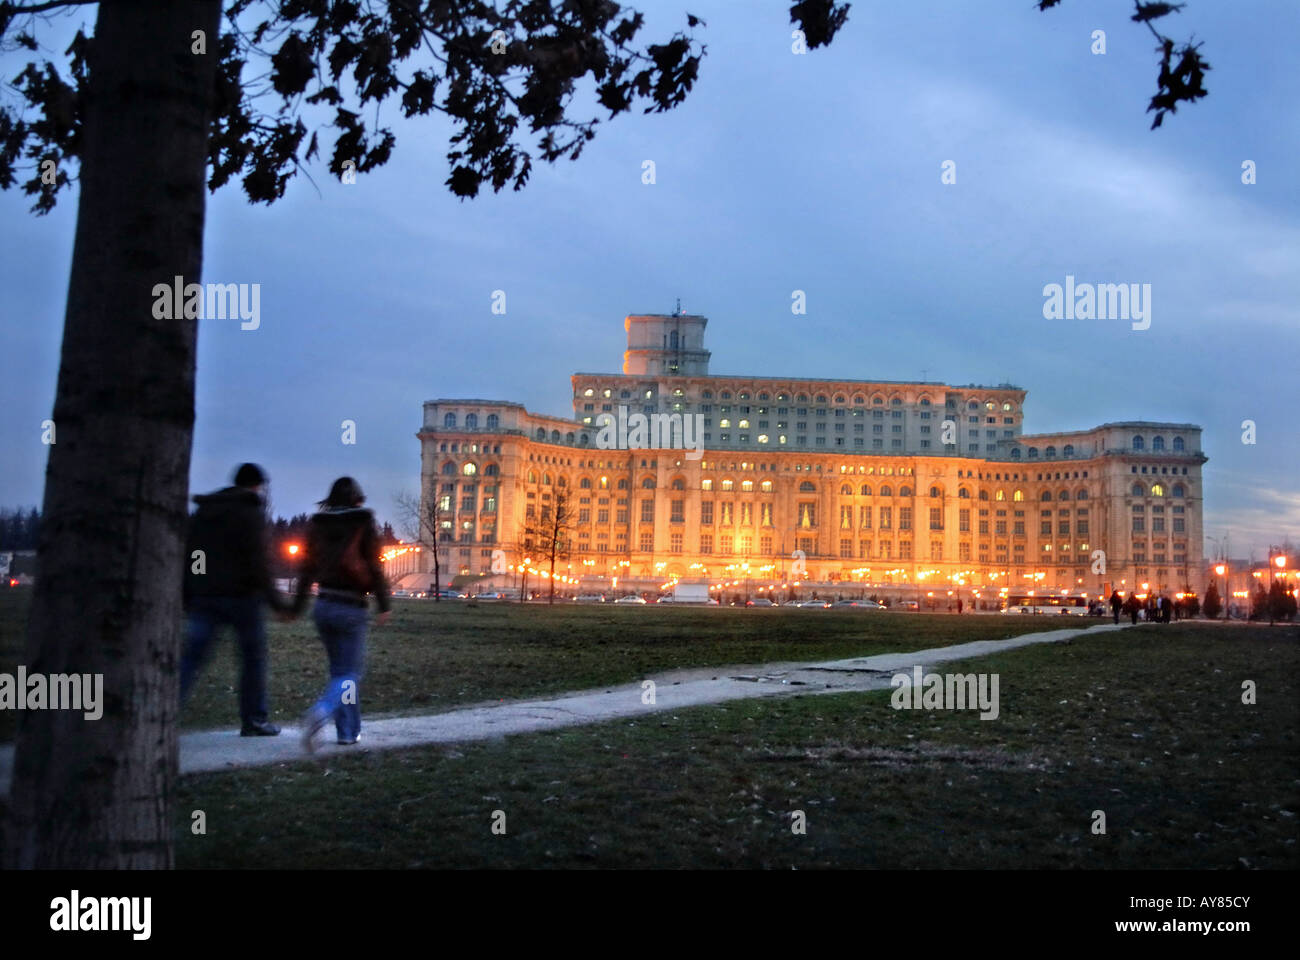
(860, 483)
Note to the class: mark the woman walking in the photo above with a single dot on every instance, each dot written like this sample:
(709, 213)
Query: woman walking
(342, 555)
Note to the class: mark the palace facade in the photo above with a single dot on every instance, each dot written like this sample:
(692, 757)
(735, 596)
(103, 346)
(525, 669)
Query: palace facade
(846, 482)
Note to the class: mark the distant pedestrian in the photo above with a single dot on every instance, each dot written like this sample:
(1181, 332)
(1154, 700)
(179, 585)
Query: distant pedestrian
(1131, 607)
(1116, 603)
(342, 555)
(227, 579)
(959, 605)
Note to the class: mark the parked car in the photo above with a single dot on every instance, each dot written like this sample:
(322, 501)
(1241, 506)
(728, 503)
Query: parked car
(870, 605)
(839, 604)
(909, 605)
(448, 594)
(589, 598)
(813, 604)
(489, 596)
(631, 599)
(760, 602)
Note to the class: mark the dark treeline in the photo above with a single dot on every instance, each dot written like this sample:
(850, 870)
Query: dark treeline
(19, 529)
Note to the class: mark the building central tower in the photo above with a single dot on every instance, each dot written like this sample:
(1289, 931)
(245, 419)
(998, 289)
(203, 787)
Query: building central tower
(665, 345)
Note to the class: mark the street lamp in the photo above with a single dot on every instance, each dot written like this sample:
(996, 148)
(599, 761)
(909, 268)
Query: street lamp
(1221, 570)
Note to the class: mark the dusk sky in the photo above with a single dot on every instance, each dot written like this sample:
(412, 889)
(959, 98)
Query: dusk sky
(818, 173)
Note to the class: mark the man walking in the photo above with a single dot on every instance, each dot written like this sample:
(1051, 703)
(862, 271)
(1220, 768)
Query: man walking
(1115, 604)
(226, 582)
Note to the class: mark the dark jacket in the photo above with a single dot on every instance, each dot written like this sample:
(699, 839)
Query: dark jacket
(328, 536)
(229, 526)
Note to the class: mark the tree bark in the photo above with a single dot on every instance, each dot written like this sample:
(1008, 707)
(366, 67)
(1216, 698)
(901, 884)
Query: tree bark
(107, 600)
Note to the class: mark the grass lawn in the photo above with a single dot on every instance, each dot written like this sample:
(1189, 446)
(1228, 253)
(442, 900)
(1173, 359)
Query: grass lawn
(435, 656)
(1146, 725)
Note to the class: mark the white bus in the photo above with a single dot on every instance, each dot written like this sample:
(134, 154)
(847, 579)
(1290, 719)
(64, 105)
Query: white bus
(1045, 603)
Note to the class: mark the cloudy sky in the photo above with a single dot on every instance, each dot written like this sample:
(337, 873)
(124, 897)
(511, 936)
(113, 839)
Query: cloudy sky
(818, 173)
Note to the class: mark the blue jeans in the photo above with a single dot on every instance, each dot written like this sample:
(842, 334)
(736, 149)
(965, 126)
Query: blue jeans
(342, 629)
(244, 614)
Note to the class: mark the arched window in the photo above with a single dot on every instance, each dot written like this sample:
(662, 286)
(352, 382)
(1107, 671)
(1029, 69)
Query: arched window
(1081, 495)
(936, 492)
(622, 483)
(1063, 495)
(672, 340)
(904, 491)
(448, 468)
(471, 421)
(568, 437)
(1000, 496)
(491, 470)
(1179, 490)
(1069, 450)
(449, 420)
(555, 436)
(1138, 490)
(648, 483)
(846, 490)
(963, 494)
(541, 433)
(984, 494)
(604, 483)
(728, 484)
(1015, 453)
(1157, 490)
(562, 482)
(1178, 444)
(807, 487)
(1045, 496)
(886, 490)
(766, 486)
(546, 479)
(747, 486)
(584, 483)
(1033, 453)
(1139, 443)
(1018, 496)
(865, 491)
(532, 476)
(1157, 443)
(1050, 453)
(493, 421)
(678, 483)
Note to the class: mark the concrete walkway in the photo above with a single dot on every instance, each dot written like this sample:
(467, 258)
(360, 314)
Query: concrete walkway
(212, 750)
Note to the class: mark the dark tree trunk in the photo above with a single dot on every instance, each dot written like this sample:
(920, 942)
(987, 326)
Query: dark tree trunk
(551, 597)
(96, 794)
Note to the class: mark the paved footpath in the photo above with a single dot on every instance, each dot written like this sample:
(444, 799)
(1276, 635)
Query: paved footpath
(211, 750)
